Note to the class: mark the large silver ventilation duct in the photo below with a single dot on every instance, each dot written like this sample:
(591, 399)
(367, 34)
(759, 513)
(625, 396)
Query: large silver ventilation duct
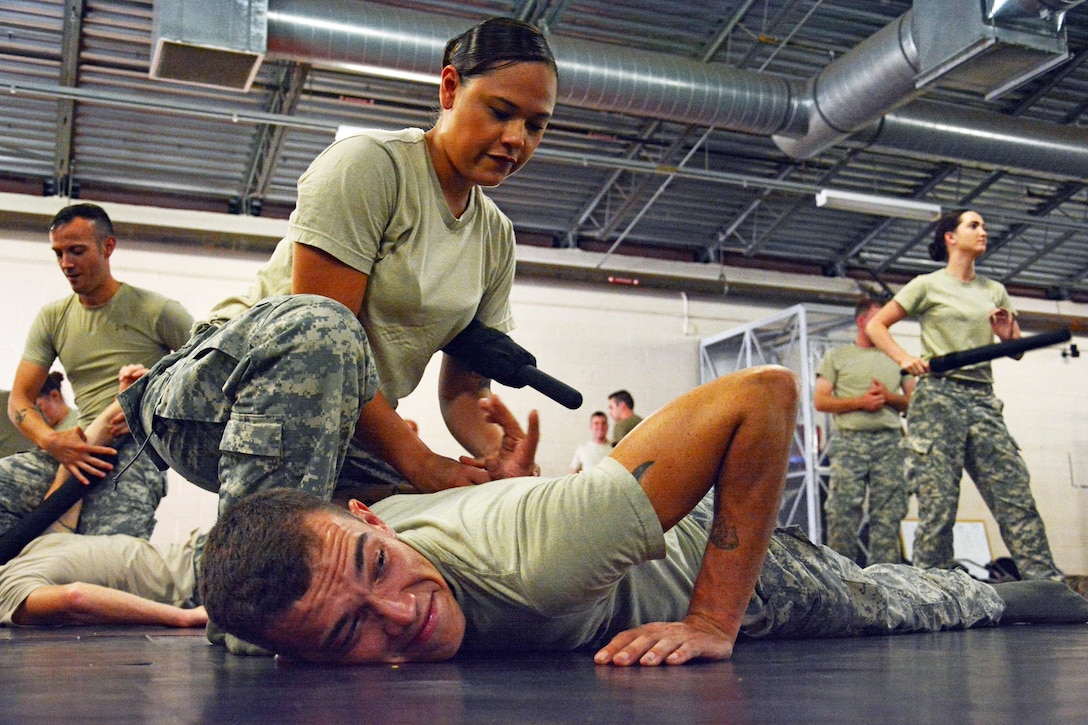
(857, 89)
(850, 95)
(1030, 8)
(970, 137)
(218, 43)
(602, 77)
(953, 43)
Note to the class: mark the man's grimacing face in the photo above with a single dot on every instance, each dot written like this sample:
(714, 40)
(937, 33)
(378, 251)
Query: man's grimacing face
(371, 598)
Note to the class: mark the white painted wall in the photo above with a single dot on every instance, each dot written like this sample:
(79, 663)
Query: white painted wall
(598, 339)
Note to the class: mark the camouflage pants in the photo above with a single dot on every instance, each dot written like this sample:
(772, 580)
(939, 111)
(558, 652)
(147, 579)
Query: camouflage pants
(269, 399)
(957, 426)
(873, 460)
(805, 590)
(122, 506)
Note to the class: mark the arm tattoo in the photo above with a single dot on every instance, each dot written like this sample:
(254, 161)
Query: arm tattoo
(641, 469)
(723, 536)
(20, 416)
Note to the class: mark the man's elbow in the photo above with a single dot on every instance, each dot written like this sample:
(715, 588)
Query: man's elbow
(780, 384)
(52, 605)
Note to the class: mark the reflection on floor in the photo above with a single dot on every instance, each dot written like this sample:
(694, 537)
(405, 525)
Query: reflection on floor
(1017, 674)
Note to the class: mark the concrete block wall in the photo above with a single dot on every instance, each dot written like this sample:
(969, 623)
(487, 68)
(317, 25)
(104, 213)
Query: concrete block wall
(597, 338)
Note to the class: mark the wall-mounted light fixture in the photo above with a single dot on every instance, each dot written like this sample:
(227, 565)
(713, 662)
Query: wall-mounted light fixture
(880, 205)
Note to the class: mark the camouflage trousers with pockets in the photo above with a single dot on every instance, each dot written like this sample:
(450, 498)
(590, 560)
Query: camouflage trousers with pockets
(805, 590)
(957, 426)
(867, 461)
(125, 505)
(269, 399)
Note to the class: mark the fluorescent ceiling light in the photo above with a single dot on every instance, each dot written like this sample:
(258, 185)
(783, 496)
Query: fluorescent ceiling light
(392, 73)
(880, 205)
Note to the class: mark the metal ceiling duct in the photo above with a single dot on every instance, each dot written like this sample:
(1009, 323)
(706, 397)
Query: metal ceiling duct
(1030, 8)
(852, 94)
(218, 43)
(952, 43)
(856, 89)
(968, 136)
(988, 52)
(597, 76)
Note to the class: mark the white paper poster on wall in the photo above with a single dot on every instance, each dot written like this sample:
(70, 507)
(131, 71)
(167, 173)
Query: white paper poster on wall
(970, 544)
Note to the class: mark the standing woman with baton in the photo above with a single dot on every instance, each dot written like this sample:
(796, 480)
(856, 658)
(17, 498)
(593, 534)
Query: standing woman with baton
(955, 419)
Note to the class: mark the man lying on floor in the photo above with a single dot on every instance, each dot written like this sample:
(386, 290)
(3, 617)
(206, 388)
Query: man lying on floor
(63, 578)
(628, 559)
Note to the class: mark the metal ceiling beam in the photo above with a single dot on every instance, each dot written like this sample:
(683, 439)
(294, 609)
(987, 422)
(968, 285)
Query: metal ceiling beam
(1038, 215)
(660, 190)
(641, 186)
(1039, 254)
(824, 179)
(68, 75)
(173, 107)
(587, 210)
(170, 107)
(603, 230)
(268, 141)
(763, 36)
(715, 249)
(965, 200)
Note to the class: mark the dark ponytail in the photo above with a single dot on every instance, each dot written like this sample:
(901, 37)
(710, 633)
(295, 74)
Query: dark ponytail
(938, 249)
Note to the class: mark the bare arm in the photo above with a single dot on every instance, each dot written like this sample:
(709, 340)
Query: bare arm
(459, 394)
(81, 603)
(385, 434)
(316, 272)
(825, 400)
(69, 447)
(732, 435)
(900, 401)
(22, 411)
(877, 330)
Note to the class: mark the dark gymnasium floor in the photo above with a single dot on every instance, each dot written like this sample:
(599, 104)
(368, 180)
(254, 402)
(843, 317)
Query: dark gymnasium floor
(1019, 674)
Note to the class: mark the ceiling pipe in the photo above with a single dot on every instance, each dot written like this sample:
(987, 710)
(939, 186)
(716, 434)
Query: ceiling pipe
(971, 137)
(1031, 8)
(856, 92)
(592, 75)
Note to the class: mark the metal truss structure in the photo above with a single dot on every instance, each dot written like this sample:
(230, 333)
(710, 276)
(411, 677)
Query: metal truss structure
(797, 338)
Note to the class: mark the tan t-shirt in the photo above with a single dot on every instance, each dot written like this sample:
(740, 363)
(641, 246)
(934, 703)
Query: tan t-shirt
(373, 201)
(850, 370)
(136, 326)
(163, 574)
(955, 316)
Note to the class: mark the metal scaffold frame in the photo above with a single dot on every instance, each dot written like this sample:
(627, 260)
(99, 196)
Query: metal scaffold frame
(796, 338)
